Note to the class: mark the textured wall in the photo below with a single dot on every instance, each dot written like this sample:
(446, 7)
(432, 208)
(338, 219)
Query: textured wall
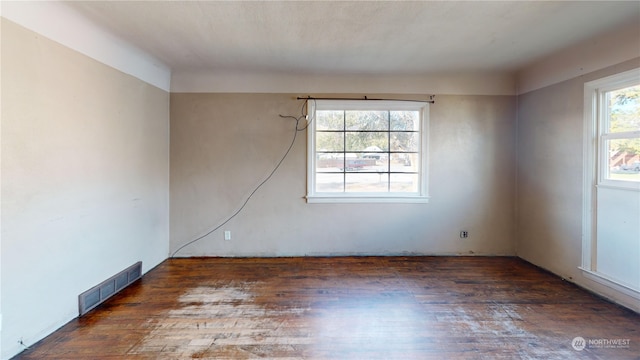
(84, 180)
(223, 145)
(550, 178)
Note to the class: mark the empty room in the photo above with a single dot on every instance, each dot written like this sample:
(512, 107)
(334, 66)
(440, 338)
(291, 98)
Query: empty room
(320, 180)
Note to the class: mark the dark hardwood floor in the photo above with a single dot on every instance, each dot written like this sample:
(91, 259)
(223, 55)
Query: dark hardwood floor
(348, 308)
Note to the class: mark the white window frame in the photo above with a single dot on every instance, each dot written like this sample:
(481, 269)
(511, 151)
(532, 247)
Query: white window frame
(421, 196)
(600, 120)
(595, 171)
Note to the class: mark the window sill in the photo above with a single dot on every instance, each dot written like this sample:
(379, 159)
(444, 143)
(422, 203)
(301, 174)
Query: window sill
(335, 199)
(610, 283)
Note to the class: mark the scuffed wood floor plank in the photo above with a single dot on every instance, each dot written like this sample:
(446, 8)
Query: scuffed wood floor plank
(346, 308)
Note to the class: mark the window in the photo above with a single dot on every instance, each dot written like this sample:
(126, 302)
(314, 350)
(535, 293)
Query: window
(611, 182)
(618, 104)
(367, 151)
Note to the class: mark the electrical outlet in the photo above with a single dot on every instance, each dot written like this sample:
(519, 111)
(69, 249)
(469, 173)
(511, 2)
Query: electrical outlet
(227, 235)
(464, 234)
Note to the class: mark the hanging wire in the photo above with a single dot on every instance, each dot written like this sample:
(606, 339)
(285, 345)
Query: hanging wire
(303, 109)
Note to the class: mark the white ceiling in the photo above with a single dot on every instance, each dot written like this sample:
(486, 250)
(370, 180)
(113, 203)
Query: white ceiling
(355, 37)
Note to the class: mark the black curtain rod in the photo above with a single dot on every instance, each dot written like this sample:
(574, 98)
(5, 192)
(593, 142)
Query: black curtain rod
(431, 99)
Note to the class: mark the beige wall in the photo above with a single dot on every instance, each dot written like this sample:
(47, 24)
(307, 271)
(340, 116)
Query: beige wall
(84, 180)
(223, 145)
(550, 178)
(85, 164)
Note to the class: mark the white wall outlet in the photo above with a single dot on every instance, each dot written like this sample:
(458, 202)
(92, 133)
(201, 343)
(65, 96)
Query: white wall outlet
(227, 235)
(464, 234)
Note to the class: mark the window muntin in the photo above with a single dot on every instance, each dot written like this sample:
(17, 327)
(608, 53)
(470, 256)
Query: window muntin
(367, 151)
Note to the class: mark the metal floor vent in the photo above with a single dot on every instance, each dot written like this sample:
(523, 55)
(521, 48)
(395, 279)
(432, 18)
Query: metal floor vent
(101, 292)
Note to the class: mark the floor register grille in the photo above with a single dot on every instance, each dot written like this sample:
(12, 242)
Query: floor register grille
(101, 292)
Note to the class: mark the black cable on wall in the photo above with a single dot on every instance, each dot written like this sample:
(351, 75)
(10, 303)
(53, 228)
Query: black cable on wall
(298, 119)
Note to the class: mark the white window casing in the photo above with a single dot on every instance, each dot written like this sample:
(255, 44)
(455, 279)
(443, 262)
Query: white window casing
(317, 194)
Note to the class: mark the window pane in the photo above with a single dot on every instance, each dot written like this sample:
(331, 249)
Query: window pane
(380, 164)
(353, 162)
(367, 120)
(329, 182)
(624, 109)
(405, 120)
(404, 182)
(329, 162)
(367, 141)
(624, 160)
(405, 141)
(329, 120)
(367, 182)
(404, 162)
(329, 141)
